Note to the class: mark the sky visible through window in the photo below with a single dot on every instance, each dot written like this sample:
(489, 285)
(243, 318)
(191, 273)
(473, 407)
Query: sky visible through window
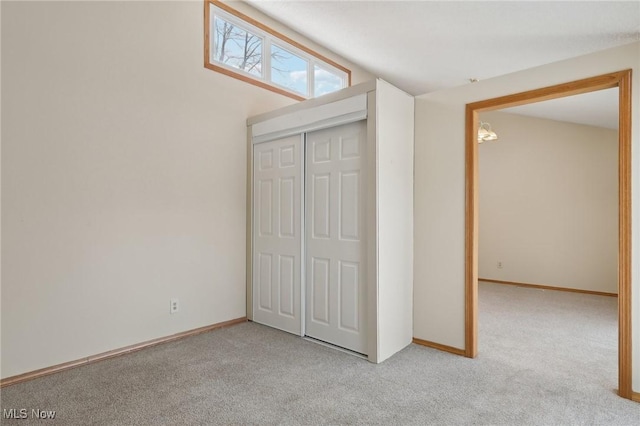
(325, 82)
(289, 70)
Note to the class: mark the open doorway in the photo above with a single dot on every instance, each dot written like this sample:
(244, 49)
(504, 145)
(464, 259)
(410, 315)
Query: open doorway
(548, 240)
(621, 80)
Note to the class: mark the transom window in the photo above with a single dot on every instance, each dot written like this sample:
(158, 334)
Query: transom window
(241, 47)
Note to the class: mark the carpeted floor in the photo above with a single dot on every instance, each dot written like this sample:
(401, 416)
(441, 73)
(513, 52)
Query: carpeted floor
(546, 358)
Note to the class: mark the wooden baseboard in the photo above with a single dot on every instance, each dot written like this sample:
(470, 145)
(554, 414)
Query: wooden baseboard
(114, 353)
(440, 347)
(635, 396)
(548, 287)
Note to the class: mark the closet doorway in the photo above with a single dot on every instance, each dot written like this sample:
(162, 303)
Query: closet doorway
(309, 199)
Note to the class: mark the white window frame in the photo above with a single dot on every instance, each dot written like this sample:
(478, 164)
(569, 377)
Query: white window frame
(240, 24)
(269, 37)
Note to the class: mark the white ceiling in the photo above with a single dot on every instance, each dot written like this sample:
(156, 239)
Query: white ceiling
(598, 109)
(423, 46)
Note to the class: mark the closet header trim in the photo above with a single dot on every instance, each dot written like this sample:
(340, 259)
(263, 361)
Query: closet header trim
(323, 116)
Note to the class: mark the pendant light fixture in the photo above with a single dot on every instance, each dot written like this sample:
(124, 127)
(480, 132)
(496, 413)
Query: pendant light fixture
(485, 133)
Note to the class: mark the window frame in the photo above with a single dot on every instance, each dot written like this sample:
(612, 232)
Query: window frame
(238, 24)
(268, 36)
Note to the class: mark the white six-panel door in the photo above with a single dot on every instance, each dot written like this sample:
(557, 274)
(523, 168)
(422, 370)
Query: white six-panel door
(335, 236)
(277, 233)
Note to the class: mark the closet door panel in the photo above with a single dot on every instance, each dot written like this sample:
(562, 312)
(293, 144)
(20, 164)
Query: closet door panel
(349, 196)
(320, 290)
(277, 234)
(335, 247)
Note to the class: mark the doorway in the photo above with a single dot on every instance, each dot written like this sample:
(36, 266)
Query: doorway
(309, 226)
(621, 80)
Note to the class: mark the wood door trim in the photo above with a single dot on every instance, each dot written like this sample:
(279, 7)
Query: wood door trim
(621, 80)
(58, 368)
(624, 236)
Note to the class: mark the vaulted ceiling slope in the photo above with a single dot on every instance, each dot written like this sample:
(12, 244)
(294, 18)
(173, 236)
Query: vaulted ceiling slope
(423, 46)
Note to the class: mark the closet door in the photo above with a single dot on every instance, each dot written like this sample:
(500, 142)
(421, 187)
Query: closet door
(277, 233)
(335, 236)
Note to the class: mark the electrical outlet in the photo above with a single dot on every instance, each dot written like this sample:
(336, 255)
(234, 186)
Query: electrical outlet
(499, 264)
(174, 306)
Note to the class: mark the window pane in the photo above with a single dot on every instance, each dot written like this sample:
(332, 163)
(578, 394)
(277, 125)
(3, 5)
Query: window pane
(326, 81)
(237, 48)
(289, 70)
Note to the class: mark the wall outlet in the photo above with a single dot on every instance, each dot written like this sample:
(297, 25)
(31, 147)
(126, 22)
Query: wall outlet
(174, 306)
(499, 264)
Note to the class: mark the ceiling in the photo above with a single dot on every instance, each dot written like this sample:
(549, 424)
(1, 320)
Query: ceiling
(423, 46)
(598, 109)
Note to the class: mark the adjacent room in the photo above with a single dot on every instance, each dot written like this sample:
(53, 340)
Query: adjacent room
(247, 212)
(549, 236)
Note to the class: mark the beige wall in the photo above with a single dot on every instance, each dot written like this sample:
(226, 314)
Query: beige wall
(440, 195)
(394, 217)
(123, 177)
(548, 198)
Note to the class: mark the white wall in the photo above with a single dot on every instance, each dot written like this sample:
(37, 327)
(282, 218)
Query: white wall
(123, 177)
(394, 119)
(440, 197)
(548, 196)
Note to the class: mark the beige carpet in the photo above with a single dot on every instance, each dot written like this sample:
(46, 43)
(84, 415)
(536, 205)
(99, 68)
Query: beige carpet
(546, 358)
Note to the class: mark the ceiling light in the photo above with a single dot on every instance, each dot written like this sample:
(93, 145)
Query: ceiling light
(485, 133)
